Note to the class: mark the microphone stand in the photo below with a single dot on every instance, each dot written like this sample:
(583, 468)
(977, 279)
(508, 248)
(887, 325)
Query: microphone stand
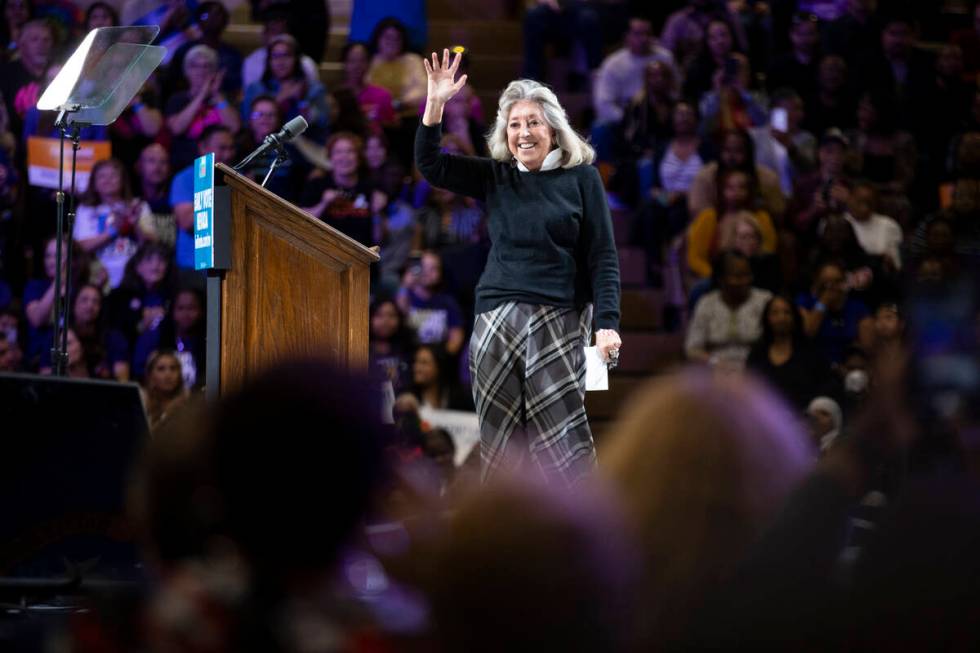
(72, 130)
(281, 157)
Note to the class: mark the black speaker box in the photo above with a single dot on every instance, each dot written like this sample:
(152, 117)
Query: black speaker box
(67, 447)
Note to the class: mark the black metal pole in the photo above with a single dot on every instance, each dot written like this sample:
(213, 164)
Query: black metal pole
(56, 351)
(69, 227)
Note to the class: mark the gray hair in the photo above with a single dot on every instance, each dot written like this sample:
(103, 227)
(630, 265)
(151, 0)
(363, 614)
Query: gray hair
(576, 150)
(200, 51)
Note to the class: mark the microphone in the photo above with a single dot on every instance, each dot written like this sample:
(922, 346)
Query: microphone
(289, 131)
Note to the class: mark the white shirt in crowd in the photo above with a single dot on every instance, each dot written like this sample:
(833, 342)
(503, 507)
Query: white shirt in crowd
(621, 76)
(879, 235)
(726, 334)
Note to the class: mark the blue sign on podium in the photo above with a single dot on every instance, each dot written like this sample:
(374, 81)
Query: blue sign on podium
(204, 212)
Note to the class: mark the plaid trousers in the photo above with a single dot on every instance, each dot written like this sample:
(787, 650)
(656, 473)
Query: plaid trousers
(528, 370)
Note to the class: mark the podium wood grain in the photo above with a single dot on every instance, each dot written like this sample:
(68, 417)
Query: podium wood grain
(296, 287)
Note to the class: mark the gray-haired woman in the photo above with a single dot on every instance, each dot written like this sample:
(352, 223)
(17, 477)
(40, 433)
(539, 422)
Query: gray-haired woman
(552, 258)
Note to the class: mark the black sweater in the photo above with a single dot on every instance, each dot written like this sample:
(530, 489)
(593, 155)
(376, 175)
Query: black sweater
(551, 234)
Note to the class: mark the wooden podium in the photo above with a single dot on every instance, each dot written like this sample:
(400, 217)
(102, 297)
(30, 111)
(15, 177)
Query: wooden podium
(291, 286)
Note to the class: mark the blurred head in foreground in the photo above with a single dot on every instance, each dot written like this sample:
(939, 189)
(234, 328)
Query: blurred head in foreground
(702, 464)
(528, 567)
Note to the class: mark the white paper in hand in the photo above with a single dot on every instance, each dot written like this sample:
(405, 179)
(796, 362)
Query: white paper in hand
(596, 372)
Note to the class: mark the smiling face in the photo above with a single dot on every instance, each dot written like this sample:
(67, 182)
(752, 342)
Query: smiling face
(344, 157)
(529, 137)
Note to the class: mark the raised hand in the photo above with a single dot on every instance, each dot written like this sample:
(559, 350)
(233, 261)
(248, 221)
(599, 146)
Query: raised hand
(443, 84)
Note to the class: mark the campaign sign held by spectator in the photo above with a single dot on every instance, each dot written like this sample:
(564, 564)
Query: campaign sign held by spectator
(43, 155)
(204, 211)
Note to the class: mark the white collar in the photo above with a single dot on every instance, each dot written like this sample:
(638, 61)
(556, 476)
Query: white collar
(552, 161)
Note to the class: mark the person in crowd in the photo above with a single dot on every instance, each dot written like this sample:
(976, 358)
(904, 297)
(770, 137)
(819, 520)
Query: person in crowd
(217, 139)
(684, 30)
(182, 330)
(100, 14)
(552, 558)
(11, 356)
(563, 267)
(622, 74)
(432, 314)
(275, 20)
(831, 317)
(700, 488)
(384, 171)
(786, 148)
(737, 195)
(105, 349)
(899, 70)
(744, 234)
(139, 125)
(153, 173)
(727, 321)
(111, 223)
(211, 19)
(949, 111)
(77, 366)
(448, 219)
(39, 298)
(864, 275)
(824, 191)
(877, 234)
(375, 102)
(264, 118)
(163, 388)
(712, 61)
(647, 118)
(737, 151)
(730, 104)
(784, 357)
(344, 197)
(35, 47)
(391, 345)
(889, 327)
(884, 154)
(144, 294)
(665, 179)
(798, 68)
(565, 26)
(397, 69)
(826, 422)
(854, 35)
(835, 105)
(15, 14)
(433, 381)
(936, 239)
(189, 113)
(295, 94)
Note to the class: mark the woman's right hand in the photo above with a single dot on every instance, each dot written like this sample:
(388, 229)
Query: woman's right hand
(443, 84)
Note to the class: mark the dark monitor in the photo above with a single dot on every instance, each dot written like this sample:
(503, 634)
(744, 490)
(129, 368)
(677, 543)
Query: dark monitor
(67, 447)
